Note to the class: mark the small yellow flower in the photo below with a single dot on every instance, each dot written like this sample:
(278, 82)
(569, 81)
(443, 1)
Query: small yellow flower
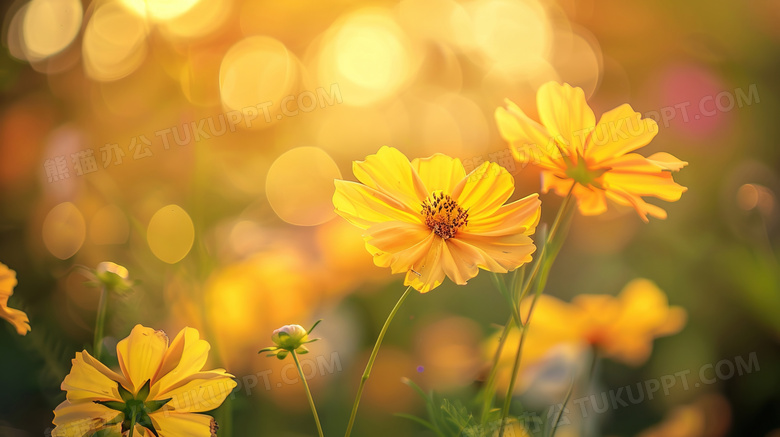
(429, 219)
(621, 328)
(160, 387)
(17, 318)
(290, 338)
(593, 160)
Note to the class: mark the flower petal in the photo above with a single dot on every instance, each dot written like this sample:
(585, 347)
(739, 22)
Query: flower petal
(439, 172)
(427, 273)
(363, 206)
(81, 419)
(140, 355)
(91, 380)
(183, 425)
(186, 355)
(620, 131)
(16, 317)
(565, 113)
(666, 161)
(529, 141)
(390, 172)
(484, 190)
(518, 217)
(508, 251)
(398, 245)
(202, 391)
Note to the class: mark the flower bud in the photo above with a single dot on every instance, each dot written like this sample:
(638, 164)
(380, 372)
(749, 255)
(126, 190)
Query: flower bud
(113, 276)
(290, 337)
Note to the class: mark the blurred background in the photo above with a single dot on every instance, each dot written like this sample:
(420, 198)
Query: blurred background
(195, 142)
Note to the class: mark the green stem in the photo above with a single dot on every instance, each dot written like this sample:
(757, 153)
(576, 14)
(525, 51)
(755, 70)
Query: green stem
(489, 392)
(541, 281)
(132, 424)
(308, 394)
(100, 322)
(372, 358)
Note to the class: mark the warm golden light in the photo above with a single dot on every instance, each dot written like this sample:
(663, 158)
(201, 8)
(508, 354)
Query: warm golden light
(170, 234)
(515, 35)
(64, 230)
(160, 9)
(50, 25)
(367, 55)
(299, 186)
(257, 71)
(114, 42)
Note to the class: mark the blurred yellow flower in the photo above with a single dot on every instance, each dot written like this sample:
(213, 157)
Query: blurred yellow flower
(620, 327)
(429, 219)
(17, 318)
(159, 389)
(623, 328)
(593, 160)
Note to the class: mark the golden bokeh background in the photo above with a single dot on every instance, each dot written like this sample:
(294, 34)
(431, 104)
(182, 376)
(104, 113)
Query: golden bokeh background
(195, 142)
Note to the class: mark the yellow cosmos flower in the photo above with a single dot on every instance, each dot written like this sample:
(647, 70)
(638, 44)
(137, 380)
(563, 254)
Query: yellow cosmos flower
(593, 160)
(159, 389)
(621, 328)
(17, 318)
(428, 219)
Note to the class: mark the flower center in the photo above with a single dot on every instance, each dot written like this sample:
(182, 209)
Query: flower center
(584, 175)
(443, 215)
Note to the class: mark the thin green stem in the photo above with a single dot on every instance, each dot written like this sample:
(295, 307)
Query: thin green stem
(489, 392)
(502, 288)
(372, 358)
(551, 240)
(308, 393)
(132, 425)
(100, 322)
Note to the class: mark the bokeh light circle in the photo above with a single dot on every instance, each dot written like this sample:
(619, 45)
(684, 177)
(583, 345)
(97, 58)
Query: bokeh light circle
(114, 42)
(64, 230)
(300, 186)
(257, 70)
(50, 25)
(170, 234)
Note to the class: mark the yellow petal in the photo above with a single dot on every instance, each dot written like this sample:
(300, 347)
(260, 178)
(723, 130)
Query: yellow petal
(182, 425)
(525, 136)
(90, 380)
(509, 251)
(81, 418)
(484, 190)
(363, 206)
(623, 197)
(16, 317)
(565, 113)
(427, 273)
(390, 172)
(590, 201)
(141, 354)
(203, 391)
(186, 355)
(439, 172)
(666, 161)
(398, 245)
(7, 281)
(518, 217)
(620, 131)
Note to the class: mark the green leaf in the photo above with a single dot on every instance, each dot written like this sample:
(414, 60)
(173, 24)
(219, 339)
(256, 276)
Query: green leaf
(420, 421)
(123, 393)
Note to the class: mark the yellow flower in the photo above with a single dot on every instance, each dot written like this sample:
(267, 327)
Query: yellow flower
(621, 328)
(159, 388)
(593, 160)
(17, 318)
(429, 219)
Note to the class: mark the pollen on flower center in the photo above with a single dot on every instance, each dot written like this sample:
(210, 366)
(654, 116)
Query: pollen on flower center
(443, 215)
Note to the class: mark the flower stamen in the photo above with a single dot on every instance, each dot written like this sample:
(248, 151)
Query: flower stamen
(443, 215)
